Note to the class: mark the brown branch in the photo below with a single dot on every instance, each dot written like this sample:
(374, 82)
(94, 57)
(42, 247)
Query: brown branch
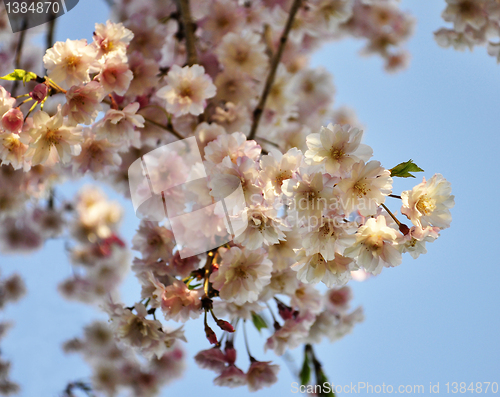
(49, 38)
(169, 127)
(187, 22)
(257, 113)
(19, 50)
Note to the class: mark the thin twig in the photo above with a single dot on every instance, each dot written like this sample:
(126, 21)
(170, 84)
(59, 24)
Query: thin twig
(395, 196)
(187, 22)
(49, 38)
(391, 214)
(168, 128)
(246, 341)
(19, 50)
(257, 113)
(267, 141)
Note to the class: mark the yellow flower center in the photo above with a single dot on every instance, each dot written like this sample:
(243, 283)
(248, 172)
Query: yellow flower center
(361, 189)
(426, 205)
(337, 153)
(52, 138)
(72, 62)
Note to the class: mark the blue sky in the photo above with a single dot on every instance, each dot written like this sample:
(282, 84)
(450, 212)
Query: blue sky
(435, 319)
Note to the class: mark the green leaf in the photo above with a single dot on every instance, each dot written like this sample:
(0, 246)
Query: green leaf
(403, 170)
(305, 372)
(191, 287)
(322, 379)
(258, 321)
(20, 74)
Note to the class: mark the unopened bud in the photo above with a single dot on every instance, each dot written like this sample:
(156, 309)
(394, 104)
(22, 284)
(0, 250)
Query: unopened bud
(225, 326)
(40, 92)
(13, 120)
(212, 338)
(404, 229)
(285, 311)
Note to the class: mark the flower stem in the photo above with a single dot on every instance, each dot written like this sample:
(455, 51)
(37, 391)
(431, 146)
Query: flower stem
(391, 214)
(252, 359)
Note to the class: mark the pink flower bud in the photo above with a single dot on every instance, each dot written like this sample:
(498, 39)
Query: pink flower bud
(12, 120)
(225, 326)
(285, 311)
(40, 92)
(212, 338)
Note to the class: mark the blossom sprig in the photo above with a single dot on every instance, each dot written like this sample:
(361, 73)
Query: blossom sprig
(235, 76)
(474, 23)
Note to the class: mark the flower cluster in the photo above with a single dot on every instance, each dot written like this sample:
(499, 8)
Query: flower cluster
(232, 76)
(475, 23)
(11, 290)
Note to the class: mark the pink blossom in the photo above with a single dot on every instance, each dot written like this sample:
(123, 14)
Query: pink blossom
(83, 103)
(261, 374)
(13, 120)
(115, 76)
(212, 359)
(179, 303)
(232, 377)
(187, 90)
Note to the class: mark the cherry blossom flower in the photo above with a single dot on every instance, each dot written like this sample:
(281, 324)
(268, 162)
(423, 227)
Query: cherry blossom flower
(234, 145)
(115, 75)
(83, 103)
(277, 168)
(119, 126)
(309, 195)
(243, 52)
(465, 12)
(429, 203)
(13, 148)
(70, 62)
(112, 39)
(187, 90)
(231, 377)
(212, 359)
(261, 374)
(328, 238)
(290, 334)
(414, 241)
(365, 189)
(53, 141)
(154, 241)
(6, 101)
(263, 227)
(96, 156)
(179, 303)
(139, 332)
(315, 268)
(338, 148)
(241, 275)
(375, 246)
